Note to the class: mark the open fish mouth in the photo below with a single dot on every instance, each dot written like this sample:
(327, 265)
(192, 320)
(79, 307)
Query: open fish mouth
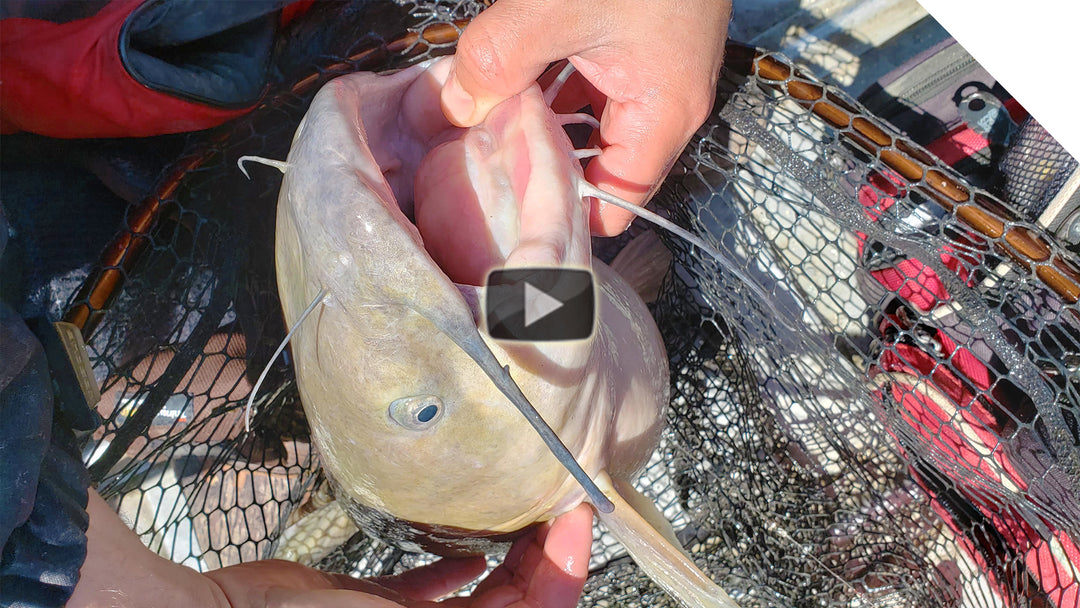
(393, 243)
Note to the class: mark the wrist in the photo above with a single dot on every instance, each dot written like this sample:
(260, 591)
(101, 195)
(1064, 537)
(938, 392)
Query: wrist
(120, 571)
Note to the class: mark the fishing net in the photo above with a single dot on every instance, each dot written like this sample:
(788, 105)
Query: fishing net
(898, 426)
(1035, 169)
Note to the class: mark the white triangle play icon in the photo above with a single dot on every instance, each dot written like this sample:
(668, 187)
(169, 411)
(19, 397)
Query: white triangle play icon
(538, 304)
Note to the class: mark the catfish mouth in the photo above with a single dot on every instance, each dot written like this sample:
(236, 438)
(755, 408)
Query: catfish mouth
(469, 193)
(502, 193)
(499, 194)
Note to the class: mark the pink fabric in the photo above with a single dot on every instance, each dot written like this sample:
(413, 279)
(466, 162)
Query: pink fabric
(966, 433)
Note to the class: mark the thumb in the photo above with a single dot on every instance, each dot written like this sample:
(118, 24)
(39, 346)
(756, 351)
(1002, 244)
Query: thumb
(505, 49)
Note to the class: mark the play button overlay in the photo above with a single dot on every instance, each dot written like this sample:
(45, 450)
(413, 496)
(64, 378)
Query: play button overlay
(539, 304)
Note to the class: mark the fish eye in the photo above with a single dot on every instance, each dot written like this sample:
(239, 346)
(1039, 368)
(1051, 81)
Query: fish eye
(426, 414)
(417, 413)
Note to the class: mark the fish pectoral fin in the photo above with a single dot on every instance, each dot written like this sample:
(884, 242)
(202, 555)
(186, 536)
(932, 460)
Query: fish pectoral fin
(635, 523)
(646, 508)
(643, 263)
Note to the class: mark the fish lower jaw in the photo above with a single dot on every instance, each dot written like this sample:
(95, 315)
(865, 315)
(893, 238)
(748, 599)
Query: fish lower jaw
(568, 496)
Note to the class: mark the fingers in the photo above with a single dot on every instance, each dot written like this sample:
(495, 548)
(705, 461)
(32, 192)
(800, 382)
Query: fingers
(640, 142)
(576, 93)
(560, 577)
(652, 78)
(546, 569)
(283, 584)
(280, 597)
(434, 580)
(506, 48)
(501, 588)
(658, 94)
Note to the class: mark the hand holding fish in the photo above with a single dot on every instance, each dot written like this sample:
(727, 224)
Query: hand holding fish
(650, 67)
(546, 568)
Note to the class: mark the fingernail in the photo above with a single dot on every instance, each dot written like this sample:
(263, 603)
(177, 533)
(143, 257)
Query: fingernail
(458, 105)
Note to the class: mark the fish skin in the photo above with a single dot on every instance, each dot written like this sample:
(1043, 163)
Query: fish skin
(392, 323)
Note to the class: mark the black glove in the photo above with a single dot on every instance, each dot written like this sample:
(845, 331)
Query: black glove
(43, 483)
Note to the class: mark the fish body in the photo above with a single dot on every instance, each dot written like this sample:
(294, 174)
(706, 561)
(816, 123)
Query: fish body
(419, 443)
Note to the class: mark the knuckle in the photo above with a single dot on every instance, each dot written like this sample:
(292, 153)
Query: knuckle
(699, 108)
(486, 54)
(697, 99)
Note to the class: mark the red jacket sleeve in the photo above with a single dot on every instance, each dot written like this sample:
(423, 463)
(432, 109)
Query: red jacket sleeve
(68, 80)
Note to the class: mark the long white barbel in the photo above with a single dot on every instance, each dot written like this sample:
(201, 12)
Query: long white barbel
(585, 188)
(255, 389)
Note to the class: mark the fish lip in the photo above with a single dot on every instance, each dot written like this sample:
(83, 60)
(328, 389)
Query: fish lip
(499, 135)
(491, 170)
(474, 298)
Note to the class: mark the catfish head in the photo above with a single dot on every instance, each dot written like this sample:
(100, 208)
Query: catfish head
(406, 420)
(433, 434)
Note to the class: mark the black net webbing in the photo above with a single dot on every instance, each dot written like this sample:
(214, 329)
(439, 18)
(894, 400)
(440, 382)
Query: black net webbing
(898, 428)
(182, 314)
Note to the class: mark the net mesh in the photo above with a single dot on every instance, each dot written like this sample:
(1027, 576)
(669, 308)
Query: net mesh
(897, 428)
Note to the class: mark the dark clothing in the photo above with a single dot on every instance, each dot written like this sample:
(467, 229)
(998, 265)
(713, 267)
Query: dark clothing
(94, 69)
(43, 483)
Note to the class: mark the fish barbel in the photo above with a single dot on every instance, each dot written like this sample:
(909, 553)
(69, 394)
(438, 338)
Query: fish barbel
(389, 217)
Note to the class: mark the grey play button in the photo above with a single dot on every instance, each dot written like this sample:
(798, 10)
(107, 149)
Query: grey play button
(539, 304)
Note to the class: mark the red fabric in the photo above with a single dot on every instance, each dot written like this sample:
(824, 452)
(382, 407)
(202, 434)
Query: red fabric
(294, 10)
(997, 586)
(965, 432)
(67, 80)
(917, 284)
(962, 142)
(958, 144)
(962, 429)
(1050, 561)
(910, 279)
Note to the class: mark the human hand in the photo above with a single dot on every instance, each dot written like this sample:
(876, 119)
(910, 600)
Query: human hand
(544, 569)
(651, 69)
